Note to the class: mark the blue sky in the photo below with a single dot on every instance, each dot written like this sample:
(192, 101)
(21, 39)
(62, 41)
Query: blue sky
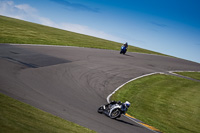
(167, 26)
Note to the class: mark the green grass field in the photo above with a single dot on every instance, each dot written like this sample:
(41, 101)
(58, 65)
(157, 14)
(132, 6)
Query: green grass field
(22, 32)
(194, 75)
(18, 117)
(168, 103)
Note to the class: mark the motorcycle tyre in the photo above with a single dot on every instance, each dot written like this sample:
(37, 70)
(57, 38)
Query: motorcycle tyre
(118, 116)
(100, 110)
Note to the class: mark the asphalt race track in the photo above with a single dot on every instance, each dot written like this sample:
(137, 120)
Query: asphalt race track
(73, 82)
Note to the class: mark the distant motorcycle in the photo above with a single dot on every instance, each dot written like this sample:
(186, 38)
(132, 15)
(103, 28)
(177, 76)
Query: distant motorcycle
(113, 110)
(123, 50)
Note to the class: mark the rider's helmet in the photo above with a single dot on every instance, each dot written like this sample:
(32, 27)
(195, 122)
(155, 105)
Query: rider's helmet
(127, 103)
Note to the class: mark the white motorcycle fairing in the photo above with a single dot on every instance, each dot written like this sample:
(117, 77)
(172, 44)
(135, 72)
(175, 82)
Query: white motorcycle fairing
(115, 106)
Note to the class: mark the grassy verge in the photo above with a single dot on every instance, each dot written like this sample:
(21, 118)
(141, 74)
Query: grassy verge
(194, 75)
(168, 103)
(18, 117)
(22, 32)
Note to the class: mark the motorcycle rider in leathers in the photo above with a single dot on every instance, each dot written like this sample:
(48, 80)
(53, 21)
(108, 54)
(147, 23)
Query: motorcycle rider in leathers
(124, 106)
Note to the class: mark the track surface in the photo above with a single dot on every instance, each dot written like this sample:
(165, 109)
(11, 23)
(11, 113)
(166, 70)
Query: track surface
(73, 82)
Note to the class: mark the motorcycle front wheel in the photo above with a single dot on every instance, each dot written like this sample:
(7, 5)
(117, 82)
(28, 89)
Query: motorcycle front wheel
(116, 113)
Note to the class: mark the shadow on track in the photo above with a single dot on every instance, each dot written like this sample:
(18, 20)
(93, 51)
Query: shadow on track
(128, 55)
(122, 121)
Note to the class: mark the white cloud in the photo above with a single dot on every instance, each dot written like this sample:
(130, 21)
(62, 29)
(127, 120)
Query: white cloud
(26, 8)
(28, 13)
(24, 11)
(46, 21)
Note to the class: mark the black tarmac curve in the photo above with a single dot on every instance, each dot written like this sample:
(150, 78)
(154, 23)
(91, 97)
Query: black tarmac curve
(72, 82)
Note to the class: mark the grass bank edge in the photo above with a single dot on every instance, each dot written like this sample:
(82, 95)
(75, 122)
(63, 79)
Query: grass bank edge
(16, 116)
(146, 107)
(194, 75)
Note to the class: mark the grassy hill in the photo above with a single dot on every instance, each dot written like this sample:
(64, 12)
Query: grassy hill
(22, 32)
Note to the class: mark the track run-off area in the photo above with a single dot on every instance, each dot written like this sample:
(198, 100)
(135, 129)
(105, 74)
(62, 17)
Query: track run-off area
(72, 82)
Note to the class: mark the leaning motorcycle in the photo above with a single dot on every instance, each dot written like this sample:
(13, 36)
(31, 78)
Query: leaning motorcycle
(111, 110)
(123, 50)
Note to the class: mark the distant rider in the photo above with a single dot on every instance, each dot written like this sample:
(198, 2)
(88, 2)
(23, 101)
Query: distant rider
(126, 46)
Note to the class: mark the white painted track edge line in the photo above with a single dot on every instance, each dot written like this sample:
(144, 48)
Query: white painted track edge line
(108, 98)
